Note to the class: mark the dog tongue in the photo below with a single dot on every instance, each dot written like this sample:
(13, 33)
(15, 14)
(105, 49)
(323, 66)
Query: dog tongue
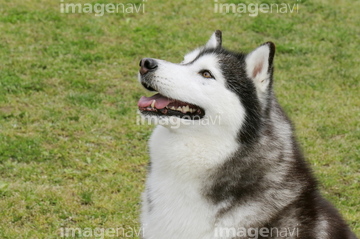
(160, 101)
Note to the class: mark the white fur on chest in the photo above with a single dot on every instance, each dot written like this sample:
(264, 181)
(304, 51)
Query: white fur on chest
(179, 166)
(177, 210)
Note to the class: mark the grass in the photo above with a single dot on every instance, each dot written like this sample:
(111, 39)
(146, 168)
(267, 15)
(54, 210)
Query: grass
(71, 153)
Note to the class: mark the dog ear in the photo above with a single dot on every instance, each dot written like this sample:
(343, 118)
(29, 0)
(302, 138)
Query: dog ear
(259, 65)
(215, 40)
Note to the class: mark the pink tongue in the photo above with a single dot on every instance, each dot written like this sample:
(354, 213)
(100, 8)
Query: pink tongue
(160, 101)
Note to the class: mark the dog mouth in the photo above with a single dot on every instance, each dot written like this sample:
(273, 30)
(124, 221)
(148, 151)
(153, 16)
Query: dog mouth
(160, 105)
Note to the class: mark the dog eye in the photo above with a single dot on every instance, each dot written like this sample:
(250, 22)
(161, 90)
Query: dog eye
(206, 74)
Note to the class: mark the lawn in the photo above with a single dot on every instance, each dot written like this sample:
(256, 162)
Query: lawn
(72, 154)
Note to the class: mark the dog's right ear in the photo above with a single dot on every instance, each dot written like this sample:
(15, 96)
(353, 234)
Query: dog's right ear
(215, 40)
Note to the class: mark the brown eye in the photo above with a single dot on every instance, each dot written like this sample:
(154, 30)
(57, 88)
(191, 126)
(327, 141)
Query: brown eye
(206, 74)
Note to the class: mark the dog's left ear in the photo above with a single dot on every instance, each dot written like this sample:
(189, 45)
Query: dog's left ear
(259, 65)
(215, 40)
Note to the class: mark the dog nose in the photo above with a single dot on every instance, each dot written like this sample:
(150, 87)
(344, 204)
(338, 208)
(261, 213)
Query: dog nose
(146, 65)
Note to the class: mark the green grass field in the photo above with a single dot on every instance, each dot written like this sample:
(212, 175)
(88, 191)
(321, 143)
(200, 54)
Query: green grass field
(71, 152)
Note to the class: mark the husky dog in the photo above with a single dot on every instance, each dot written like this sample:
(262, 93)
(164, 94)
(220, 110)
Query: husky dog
(224, 159)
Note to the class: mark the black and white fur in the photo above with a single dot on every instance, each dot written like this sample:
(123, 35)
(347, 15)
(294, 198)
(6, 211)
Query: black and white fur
(245, 171)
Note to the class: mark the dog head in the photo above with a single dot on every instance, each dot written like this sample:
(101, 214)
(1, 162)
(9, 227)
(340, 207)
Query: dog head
(211, 83)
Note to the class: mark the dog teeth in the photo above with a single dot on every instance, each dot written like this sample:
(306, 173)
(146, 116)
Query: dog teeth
(183, 109)
(153, 104)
